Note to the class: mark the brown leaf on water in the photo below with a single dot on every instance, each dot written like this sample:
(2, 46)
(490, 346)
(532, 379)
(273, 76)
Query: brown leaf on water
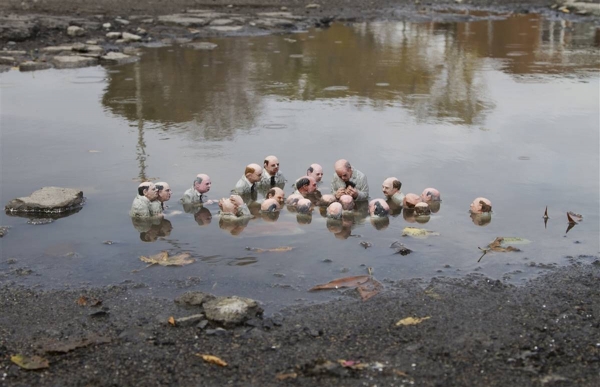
(281, 249)
(212, 359)
(285, 376)
(70, 345)
(366, 285)
(82, 301)
(163, 259)
(496, 245)
(30, 363)
(412, 321)
(171, 321)
(571, 216)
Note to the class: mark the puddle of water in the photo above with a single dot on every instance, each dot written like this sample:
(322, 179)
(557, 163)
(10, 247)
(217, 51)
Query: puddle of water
(447, 105)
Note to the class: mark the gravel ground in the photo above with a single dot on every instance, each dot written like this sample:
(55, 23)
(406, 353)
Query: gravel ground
(478, 332)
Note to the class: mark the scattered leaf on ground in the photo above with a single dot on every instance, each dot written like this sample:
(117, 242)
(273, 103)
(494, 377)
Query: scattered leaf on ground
(281, 249)
(172, 320)
(353, 364)
(412, 320)
(212, 359)
(285, 376)
(416, 232)
(70, 345)
(433, 294)
(366, 285)
(163, 259)
(30, 363)
(401, 373)
(82, 301)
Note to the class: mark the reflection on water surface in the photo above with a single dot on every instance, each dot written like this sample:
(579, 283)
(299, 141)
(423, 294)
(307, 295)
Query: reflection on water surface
(504, 108)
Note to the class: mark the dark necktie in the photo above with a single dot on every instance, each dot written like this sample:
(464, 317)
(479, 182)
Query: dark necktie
(252, 187)
(201, 199)
(272, 181)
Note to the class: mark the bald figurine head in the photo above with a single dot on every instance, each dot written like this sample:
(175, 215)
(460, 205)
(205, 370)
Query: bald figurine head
(149, 190)
(304, 206)
(164, 191)
(335, 210)
(277, 194)
(390, 186)
(481, 205)
(411, 200)
(343, 169)
(315, 171)
(327, 199)
(379, 207)
(347, 202)
(270, 205)
(422, 209)
(292, 200)
(306, 185)
(430, 195)
(271, 165)
(253, 173)
(202, 183)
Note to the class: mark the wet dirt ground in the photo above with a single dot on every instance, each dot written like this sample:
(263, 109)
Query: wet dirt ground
(480, 331)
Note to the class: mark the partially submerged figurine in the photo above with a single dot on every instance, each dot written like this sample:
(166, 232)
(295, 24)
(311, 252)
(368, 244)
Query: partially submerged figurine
(481, 205)
(233, 206)
(164, 195)
(349, 181)
(248, 183)
(411, 200)
(347, 202)
(271, 176)
(277, 194)
(335, 211)
(270, 205)
(304, 206)
(430, 195)
(305, 186)
(391, 190)
(195, 195)
(379, 208)
(316, 172)
(147, 193)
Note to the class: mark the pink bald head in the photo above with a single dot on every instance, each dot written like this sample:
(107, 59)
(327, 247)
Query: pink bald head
(347, 202)
(327, 199)
(343, 169)
(270, 205)
(315, 171)
(229, 205)
(379, 207)
(165, 193)
(292, 200)
(306, 185)
(334, 210)
(481, 205)
(304, 206)
(149, 190)
(271, 165)
(202, 183)
(422, 209)
(430, 195)
(253, 173)
(411, 200)
(390, 186)
(276, 193)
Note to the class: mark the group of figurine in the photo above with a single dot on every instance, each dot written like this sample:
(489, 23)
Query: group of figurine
(349, 191)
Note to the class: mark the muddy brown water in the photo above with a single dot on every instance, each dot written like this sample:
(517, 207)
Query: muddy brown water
(506, 108)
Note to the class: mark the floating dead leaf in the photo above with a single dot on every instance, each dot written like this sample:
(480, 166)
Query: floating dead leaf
(93, 151)
(412, 321)
(401, 373)
(212, 359)
(82, 301)
(546, 213)
(54, 347)
(281, 249)
(163, 259)
(416, 232)
(496, 246)
(171, 321)
(30, 363)
(285, 376)
(573, 218)
(366, 285)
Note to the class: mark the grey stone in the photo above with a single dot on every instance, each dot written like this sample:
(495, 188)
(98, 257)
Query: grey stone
(122, 21)
(201, 45)
(94, 49)
(216, 332)
(194, 298)
(17, 28)
(79, 47)
(57, 49)
(107, 26)
(226, 28)
(231, 310)
(7, 60)
(91, 42)
(183, 20)
(202, 324)
(279, 15)
(13, 52)
(72, 62)
(117, 58)
(34, 66)
(113, 35)
(189, 320)
(274, 23)
(313, 6)
(148, 21)
(131, 37)
(221, 22)
(3, 230)
(47, 200)
(131, 50)
(4, 68)
(141, 31)
(75, 31)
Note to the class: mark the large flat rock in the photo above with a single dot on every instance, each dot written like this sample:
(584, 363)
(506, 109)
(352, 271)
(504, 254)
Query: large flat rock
(47, 200)
(117, 58)
(183, 20)
(72, 62)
